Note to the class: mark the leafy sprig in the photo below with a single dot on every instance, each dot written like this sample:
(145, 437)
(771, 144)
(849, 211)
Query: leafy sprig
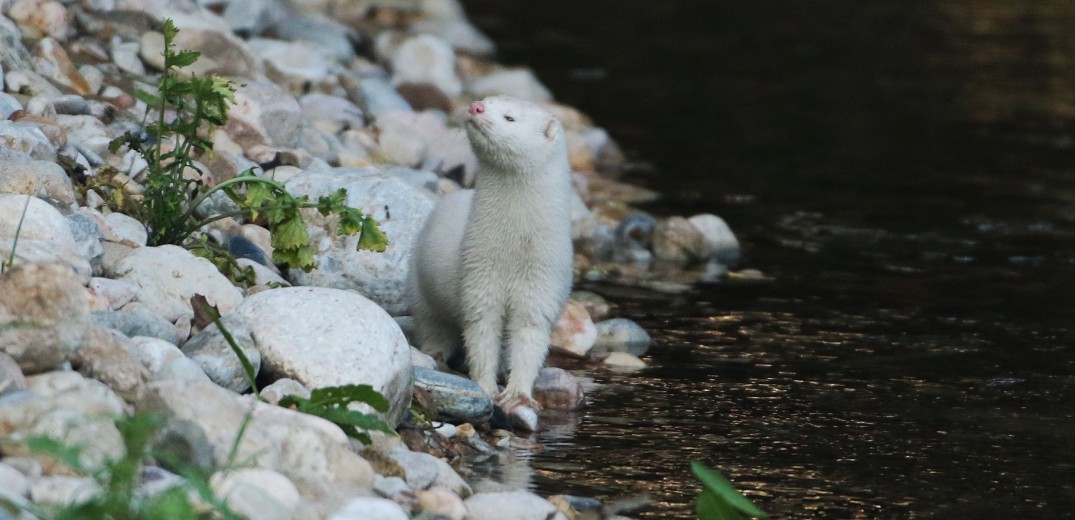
(185, 109)
(332, 403)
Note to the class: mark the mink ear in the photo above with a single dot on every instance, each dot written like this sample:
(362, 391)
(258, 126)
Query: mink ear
(552, 129)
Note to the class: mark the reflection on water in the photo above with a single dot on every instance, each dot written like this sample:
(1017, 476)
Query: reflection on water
(905, 171)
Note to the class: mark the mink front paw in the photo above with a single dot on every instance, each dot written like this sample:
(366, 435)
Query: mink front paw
(520, 408)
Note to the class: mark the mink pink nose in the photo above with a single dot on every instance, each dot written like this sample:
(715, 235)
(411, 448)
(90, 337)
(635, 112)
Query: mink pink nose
(476, 108)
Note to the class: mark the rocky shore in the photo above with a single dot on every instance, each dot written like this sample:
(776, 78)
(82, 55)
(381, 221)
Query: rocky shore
(367, 96)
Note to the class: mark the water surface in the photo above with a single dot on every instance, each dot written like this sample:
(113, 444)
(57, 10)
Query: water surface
(905, 171)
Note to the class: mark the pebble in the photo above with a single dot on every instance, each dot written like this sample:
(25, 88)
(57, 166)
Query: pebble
(723, 245)
(574, 333)
(136, 320)
(621, 335)
(622, 361)
(368, 508)
(557, 389)
(257, 493)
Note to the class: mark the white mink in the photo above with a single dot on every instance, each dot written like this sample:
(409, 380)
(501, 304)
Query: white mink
(493, 265)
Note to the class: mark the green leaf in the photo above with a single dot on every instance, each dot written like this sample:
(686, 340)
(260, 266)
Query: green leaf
(335, 203)
(715, 482)
(710, 506)
(345, 394)
(332, 403)
(372, 237)
(256, 195)
(351, 222)
(299, 258)
(290, 234)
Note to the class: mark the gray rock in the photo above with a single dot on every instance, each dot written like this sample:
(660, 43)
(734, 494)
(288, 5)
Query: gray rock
(26, 138)
(117, 293)
(394, 488)
(28, 82)
(621, 335)
(295, 66)
(168, 276)
(107, 356)
(365, 508)
(511, 505)
(69, 408)
(312, 452)
(376, 96)
(257, 493)
(11, 378)
(87, 237)
(557, 389)
(13, 54)
(128, 228)
(165, 361)
(87, 132)
(635, 231)
(458, 399)
(328, 337)
(44, 179)
(8, 104)
(72, 104)
(332, 37)
(404, 137)
(44, 315)
(44, 236)
(723, 246)
(678, 241)
(426, 59)
(210, 351)
(138, 322)
(449, 154)
(422, 470)
(264, 114)
(379, 276)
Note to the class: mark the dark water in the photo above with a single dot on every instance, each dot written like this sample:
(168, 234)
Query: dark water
(905, 171)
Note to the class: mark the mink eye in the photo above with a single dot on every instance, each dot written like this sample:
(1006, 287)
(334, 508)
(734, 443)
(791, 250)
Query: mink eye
(509, 119)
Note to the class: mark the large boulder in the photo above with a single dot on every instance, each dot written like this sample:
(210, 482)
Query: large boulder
(329, 337)
(400, 208)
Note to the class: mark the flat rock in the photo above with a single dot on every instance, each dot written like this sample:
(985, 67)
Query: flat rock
(168, 276)
(457, 399)
(138, 322)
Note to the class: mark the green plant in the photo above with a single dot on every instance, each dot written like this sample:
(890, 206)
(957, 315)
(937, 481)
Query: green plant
(118, 479)
(719, 499)
(184, 108)
(332, 403)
